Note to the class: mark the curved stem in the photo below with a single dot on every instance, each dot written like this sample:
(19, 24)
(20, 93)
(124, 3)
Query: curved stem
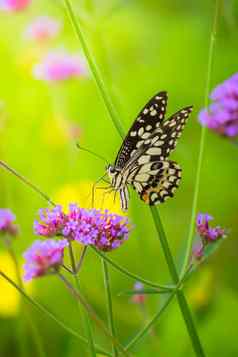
(130, 275)
(83, 314)
(34, 330)
(94, 69)
(48, 313)
(109, 303)
(26, 182)
(202, 139)
(90, 311)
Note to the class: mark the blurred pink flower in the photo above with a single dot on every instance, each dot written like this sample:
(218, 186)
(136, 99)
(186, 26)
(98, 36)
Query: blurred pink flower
(42, 28)
(14, 5)
(60, 65)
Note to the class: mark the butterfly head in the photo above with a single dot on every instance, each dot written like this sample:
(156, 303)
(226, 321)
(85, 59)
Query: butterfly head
(112, 172)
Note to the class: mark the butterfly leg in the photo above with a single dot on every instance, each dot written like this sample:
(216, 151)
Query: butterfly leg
(108, 191)
(94, 186)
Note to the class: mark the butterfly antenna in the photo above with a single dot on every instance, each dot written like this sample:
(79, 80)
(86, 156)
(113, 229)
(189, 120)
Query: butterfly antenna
(92, 152)
(26, 182)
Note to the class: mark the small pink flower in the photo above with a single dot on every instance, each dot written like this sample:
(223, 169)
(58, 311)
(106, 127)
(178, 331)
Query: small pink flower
(14, 5)
(43, 28)
(43, 256)
(138, 298)
(6, 222)
(60, 65)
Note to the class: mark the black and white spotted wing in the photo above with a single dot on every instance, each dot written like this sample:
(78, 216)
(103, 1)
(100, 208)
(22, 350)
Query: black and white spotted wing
(150, 118)
(155, 182)
(162, 141)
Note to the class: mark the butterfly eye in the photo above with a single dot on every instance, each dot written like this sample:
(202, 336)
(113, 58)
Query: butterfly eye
(112, 170)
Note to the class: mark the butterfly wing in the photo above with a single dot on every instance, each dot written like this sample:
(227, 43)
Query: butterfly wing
(150, 118)
(162, 141)
(155, 182)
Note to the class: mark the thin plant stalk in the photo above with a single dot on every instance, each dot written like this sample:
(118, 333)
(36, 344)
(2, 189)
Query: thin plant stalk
(115, 118)
(49, 314)
(34, 330)
(187, 316)
(145, 330)
(109, 304)
(91, 312)
(94, 69)
(83, 314)
(202, 138)
(133, 276)
(151, 323)
(26, 182)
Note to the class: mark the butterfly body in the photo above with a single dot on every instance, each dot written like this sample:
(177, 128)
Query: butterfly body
(142, 160)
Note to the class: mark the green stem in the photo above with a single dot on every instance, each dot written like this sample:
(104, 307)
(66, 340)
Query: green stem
(34, 330)
(115, 118)
(49, 314)
(148, 326)
(109, 303)
(130, 275)
(91, 312)
(94, 69)
(83, 314)
(187, 316)
(202, 139)
(26, 182)
(154, 319)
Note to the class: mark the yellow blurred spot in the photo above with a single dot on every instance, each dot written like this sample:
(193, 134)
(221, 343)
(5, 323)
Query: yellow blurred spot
(81, 193)
(9, 296)
(202, 293)
(57, 132)
(29, 58)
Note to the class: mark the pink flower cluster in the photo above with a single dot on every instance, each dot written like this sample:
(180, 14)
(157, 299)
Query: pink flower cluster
(105, 230)
(60, 65)
(6, 222)
(207, 234)
(42, 28)
(14, 5)
(43, 257)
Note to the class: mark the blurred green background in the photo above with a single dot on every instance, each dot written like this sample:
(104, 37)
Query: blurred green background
(141, 47)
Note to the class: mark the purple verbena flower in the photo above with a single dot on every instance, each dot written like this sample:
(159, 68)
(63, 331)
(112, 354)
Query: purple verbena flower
(43, 256)
(105, 230)
(42, 28)
(206, 232)
(207, 235)
(60, 65)
(6, 222)
(14, 5)
(222, 114)
(51, 222)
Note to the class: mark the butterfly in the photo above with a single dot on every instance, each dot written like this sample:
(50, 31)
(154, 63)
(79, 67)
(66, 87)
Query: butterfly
(142, 160)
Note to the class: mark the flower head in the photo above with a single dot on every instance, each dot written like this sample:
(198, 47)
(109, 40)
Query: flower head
(42, 256)
(102, 229)
(42, 28)
(105, 230)
(205, 231)
(207, 236)
(222, 114)
(14, 5)
(138, 298)
(60, 65)
(6, 222)
(51, 222)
